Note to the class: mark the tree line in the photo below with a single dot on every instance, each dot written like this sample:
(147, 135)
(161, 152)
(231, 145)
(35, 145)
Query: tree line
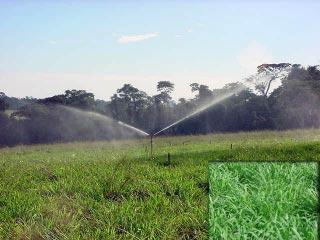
(293, 104)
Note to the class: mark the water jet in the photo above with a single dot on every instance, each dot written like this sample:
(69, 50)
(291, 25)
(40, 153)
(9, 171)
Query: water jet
(203, 108)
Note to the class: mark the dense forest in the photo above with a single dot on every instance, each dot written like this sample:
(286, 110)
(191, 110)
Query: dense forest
(258, 106)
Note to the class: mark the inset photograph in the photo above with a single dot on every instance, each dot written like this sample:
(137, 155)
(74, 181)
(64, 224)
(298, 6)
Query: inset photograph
(263, 200)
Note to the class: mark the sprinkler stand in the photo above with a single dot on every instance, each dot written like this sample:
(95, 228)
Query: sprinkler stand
(151, 146)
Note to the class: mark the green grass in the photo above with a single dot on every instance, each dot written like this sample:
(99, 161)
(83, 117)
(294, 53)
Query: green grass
(263, 201)
(112, 190)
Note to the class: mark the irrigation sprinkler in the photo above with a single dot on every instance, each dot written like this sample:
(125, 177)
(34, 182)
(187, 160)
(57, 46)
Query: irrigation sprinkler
(196, 112)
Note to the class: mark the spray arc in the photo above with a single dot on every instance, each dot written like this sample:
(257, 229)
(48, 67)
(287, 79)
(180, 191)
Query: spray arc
(143, 133)
(203, 108)
(116, 126)
(196, 112)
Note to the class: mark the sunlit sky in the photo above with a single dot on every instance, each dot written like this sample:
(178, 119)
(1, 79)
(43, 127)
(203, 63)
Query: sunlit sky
(47, 47)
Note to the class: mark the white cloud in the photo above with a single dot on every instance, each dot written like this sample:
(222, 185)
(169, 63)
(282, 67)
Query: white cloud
(136, 38)
(254, 55)
(53, 42)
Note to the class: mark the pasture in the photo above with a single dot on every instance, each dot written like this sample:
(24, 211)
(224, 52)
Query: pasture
(113, 190)
(263, 200)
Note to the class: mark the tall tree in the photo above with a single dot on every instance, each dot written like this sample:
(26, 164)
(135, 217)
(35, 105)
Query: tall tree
(296, 103)
(164, 88)
(57, 99)
(203, 91)
(268, 74)
(3, 103)
(129, 104)
(163, 103)
(80, 99)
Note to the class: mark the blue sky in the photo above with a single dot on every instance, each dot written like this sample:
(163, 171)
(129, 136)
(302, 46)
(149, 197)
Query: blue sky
(47, 47)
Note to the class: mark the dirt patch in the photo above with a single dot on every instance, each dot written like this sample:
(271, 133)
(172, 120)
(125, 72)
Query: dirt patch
(113, 196)
(204, 186)
(141, 194)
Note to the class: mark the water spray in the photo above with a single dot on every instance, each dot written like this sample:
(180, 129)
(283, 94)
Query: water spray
(203, 108)
(133, 128)
(113, 123)
(198, 111)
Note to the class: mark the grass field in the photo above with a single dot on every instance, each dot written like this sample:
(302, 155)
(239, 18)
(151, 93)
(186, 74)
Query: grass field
(113, 190)
(263, 201)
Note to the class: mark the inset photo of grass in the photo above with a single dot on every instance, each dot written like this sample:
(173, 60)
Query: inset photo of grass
(263, 200)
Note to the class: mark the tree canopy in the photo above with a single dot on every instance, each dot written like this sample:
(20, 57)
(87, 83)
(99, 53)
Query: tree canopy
(294, 103)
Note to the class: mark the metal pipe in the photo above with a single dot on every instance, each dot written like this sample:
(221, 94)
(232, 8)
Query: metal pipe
(151, 146)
